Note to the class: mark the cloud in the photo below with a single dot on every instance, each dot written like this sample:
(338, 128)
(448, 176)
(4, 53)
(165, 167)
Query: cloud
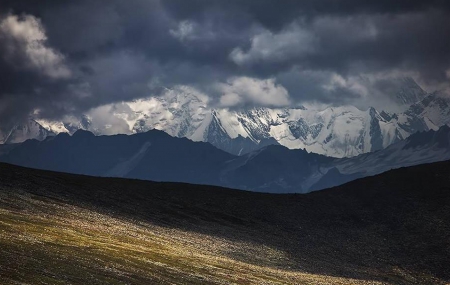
(25, 41)
(104, 119)
(33, 74)
(245, 90)
(72, 56)
(184, 31)
(292, 43)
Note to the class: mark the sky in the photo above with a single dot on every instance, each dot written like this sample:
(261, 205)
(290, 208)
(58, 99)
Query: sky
(66, 57)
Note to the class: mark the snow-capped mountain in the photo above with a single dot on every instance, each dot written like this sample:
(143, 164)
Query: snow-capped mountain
(342, 131)
(334, 131)
(29, 130)
(69, 125)
(429, 114)
(422, 147)
(406, 92)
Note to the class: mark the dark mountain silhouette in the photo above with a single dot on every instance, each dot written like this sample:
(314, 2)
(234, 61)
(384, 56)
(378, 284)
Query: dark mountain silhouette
(155, 155)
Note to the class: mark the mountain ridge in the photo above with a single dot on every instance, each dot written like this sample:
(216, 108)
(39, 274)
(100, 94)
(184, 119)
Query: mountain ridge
(155, 155)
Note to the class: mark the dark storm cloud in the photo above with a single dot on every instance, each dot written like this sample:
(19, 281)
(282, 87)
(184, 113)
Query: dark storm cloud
(30, 71)
(276, 13)
(120, 50)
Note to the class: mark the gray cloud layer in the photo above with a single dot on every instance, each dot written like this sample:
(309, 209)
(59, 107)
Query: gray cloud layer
(68, 56)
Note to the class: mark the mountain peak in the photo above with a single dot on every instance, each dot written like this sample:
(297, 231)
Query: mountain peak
(408, 92)
(83, 133)
(444, 128)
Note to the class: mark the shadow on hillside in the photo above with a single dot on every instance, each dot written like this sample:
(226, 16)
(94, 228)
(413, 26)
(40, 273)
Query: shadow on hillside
(368, 229)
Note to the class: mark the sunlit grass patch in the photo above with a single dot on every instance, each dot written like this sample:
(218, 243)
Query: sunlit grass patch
(81, 246)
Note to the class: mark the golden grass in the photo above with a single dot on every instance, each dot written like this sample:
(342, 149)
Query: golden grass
(43, 241)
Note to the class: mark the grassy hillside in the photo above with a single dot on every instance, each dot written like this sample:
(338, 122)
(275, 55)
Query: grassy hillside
(59, 228)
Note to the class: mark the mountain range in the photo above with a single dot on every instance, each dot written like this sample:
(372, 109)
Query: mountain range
(155, 155)
(343, 131)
